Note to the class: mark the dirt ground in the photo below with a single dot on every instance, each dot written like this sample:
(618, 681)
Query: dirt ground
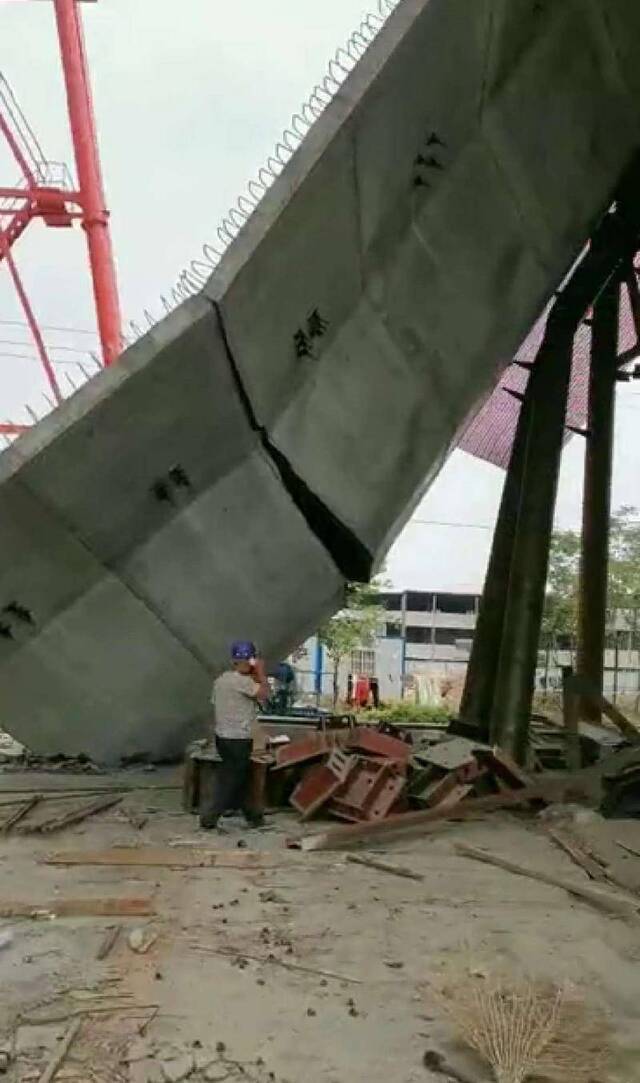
(210, 999)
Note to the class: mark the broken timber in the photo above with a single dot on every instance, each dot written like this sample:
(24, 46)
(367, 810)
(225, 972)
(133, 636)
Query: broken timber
(581, 685)
(607, 903)
(74, 817)
(384, 866)
(159, 857)
(338, 837)
(108, 941)
(19, 814)
(125, 907)
(60, 1054)
(585, 861)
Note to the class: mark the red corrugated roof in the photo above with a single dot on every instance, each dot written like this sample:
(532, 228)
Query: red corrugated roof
(490, 434)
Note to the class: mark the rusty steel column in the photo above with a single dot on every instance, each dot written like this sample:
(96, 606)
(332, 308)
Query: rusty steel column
(614, 241)
(596, 508)
(477, 696)
(525, 593)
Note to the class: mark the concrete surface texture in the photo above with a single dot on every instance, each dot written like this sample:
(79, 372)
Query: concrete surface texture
(271, 436)
(215, 989)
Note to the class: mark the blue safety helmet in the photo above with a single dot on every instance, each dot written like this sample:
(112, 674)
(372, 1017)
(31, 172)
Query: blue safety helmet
(243, 650)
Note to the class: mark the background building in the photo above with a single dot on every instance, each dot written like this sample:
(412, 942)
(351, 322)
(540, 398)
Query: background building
(426, 642)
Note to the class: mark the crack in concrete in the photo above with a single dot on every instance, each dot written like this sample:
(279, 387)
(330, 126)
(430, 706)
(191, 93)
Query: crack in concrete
(351, 557)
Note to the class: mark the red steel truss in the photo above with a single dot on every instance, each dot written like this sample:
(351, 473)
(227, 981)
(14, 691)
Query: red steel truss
(44, 190)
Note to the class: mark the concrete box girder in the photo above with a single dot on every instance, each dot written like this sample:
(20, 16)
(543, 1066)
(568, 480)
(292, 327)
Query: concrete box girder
(301, 468)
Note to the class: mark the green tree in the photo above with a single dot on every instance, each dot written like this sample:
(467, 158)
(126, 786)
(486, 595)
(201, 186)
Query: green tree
(560, 615)
(353, 626)
(624, 559)
(561, 602)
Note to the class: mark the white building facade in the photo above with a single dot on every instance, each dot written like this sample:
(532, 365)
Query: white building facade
(428, 635)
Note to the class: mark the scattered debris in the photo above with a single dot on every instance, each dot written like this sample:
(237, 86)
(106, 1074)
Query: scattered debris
(57, 1060)
(23, 810)
(57, 823)
(629, 849)
(606, 902)
(72, 908)
(307, 750)
(6, 938)
(365, 775)
(136, 819)
(271, 960)
(384, 866)
(160, 857)
(108, 943)
(173, 1071)
(593, 868)
(353, 834)
(142, 938)
(622, 790)
(320, 782)
(146, 1023)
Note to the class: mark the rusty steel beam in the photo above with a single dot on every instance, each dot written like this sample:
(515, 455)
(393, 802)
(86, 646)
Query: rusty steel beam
(596, 508)
(614, 241)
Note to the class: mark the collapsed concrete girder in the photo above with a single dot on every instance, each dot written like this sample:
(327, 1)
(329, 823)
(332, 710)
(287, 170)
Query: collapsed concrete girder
(271, 436)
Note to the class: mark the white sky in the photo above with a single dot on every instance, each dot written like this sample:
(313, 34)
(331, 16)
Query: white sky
(191, 98)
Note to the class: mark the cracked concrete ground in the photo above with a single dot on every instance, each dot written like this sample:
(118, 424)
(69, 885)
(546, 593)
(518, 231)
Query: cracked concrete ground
(218, 994)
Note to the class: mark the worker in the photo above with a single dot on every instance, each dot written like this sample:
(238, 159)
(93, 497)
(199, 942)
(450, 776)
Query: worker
(236, 694)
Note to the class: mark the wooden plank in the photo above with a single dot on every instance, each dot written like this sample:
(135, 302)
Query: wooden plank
(270, 960)
(124, 907)
(60, 1054)
(54, 793)
(606, 902)
(613, 713)
(74, 817)
(383, 866)
(339, 837)
(175, 857)
(19, 814)
(629, 849)
(505, 767)
(593, 870)
(108, 941)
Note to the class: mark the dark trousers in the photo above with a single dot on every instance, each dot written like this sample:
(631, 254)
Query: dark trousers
(232, 780)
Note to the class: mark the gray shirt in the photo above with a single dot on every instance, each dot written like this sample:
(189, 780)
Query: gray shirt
(234, 696)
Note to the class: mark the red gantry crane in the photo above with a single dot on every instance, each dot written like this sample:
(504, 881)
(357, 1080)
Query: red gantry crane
(45, 190)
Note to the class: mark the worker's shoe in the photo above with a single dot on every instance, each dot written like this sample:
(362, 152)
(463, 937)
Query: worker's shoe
(208, 822)
(254, 819)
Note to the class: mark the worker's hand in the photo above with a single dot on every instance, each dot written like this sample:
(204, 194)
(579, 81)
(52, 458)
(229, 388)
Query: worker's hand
(260, 675)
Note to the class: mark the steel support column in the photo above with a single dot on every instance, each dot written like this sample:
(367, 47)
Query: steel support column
(522, 617)
(614, 241)
(477, 697)
(596, 510)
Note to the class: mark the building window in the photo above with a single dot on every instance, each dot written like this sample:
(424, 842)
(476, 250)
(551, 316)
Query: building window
(363, 662)
(451, 636)
(455, 603)
(416, 634)
(419, 601)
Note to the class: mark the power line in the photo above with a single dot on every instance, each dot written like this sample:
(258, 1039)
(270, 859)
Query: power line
(55, 360)
(444, 522)
(49, 345)
(50, 327)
